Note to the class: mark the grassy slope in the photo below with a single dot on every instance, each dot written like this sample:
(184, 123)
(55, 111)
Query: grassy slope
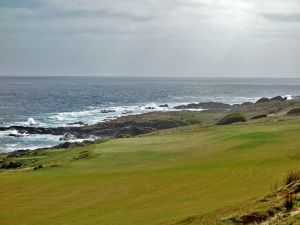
(151, 179)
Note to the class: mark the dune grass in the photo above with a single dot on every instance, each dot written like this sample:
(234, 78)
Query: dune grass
(153, 179)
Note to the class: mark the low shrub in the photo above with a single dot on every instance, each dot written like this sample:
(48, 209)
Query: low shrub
(273, 111)
(289, 202)
(10, 164)
(232, 118)
(2, 165)
(259, 116)
(13, 165)
(252, 217)
(295, 111)
(37, 167)
(124, 136)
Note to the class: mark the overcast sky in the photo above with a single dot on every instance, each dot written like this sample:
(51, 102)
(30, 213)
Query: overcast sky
(185, 38)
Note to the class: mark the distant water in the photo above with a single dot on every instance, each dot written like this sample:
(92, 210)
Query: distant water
(56, 101)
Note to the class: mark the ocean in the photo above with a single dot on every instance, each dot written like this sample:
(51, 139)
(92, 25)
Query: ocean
(59, 101)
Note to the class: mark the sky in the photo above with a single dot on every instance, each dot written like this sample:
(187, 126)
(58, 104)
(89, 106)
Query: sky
(165, 38)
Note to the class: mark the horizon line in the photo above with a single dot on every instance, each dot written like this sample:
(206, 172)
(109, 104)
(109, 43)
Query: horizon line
(147, 76)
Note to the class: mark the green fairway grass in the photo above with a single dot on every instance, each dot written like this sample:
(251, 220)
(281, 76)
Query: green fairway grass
(153, 179)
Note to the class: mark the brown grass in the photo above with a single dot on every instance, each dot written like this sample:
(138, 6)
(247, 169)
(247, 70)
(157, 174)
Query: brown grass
(292, 177)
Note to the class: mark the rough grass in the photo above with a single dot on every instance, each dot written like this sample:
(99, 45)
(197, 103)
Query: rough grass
(292, 177)
(155, 179)
(280, 207)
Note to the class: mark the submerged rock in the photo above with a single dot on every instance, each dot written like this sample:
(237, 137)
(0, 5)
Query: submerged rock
(15, 135)
(127, 112)
(107, 111)
(77, 123)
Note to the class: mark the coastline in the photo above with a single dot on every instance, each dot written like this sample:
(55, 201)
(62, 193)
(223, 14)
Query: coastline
(206, 113)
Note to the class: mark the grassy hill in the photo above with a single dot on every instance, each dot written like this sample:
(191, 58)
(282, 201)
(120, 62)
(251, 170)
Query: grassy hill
(165, 177)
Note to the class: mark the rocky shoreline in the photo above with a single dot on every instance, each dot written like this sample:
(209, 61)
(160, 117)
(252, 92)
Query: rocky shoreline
(117, 127)
(133, 125)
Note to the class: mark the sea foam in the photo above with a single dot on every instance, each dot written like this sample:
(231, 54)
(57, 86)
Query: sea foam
(32, 122)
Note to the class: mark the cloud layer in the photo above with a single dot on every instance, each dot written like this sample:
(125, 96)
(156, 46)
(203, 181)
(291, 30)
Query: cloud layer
(150, 37)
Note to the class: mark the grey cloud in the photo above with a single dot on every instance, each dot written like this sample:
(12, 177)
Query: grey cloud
(97, 14)
(279, 35)
(175, 37)
(44, 13)
(19, 4)
(282, 17)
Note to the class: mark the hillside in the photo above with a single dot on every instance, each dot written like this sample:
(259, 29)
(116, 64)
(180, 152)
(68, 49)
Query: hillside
(280, 207)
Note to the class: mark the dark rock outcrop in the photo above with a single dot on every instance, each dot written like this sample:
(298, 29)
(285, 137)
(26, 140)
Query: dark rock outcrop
(210, 106)
(131, 125)
(18, 153)
(15, 135)
(164, 106)
(39, 130)
(64, 145)
(245, 104)
(277, 98)
(262, 100)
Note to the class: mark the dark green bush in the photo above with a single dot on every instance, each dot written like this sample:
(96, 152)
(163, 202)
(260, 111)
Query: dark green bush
(289, 203)
(232, 118)
(13, 165)
(295, 111)
(259, 116)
